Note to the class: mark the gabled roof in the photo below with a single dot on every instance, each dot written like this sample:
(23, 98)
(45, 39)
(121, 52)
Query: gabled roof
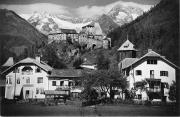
(151, 54)
(9, 62)
(62, 73)
(28, 60)
(127, 45)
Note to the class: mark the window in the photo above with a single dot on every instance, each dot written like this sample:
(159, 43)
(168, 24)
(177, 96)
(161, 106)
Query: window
(39, 90)
(38, 70)
(28, 80)
(70, 84)
(53, 83)
(126, 46)
(151, 73)
(163, 73)
(166, 85)
(10, 80)
(40, 80)
(61, 83)
(138, 72)
(7, 81)
(139, 96)
(27, 92)
(152, 61)
(18, 81)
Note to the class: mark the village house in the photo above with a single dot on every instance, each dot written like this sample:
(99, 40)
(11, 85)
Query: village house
(87, 64)
(67, 80)
(152, 71)
(31, 78)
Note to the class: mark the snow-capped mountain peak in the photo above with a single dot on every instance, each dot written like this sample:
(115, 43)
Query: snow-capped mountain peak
(51, 23)
(124, 14)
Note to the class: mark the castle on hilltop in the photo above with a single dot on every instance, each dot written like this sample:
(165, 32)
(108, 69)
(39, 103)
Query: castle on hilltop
(91, 36)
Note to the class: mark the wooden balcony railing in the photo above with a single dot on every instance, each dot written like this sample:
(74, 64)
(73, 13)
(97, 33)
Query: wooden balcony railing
(155, 89)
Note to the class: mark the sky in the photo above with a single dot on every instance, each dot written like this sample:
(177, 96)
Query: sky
(75, 8)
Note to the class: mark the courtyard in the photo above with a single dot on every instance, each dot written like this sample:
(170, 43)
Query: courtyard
(75, 109)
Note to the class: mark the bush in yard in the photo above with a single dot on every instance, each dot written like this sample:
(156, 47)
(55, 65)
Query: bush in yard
(89, 94)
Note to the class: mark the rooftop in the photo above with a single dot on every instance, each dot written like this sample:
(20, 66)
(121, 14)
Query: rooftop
(68, 31)
(127, 62)
(127, 45)
(61, 73)
(28, 60)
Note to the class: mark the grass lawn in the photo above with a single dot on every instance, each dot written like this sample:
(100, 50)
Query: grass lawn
(75, 110)
(137, 110)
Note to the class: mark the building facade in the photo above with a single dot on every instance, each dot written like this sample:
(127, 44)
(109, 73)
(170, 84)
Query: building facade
(150, 76)
(30, 78)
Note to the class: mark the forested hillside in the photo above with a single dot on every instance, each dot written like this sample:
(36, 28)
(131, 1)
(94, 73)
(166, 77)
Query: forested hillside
(18, 38)
(157, 29)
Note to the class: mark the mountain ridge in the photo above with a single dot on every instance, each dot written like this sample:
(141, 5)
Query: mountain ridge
(18, 38)
(119, 14)
(156, 29)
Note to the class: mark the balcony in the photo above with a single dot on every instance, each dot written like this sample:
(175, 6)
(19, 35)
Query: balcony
(155, 89)
(64, 87)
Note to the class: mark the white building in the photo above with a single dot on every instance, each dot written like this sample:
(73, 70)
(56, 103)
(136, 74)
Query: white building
(31, 78)
(154, 70)
(27, 78)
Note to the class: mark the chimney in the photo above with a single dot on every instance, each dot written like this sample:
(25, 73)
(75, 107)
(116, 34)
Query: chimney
(149, 50)
(38, 58)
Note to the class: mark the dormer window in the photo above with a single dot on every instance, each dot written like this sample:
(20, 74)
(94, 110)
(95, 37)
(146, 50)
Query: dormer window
(151, 61)
(126, 46)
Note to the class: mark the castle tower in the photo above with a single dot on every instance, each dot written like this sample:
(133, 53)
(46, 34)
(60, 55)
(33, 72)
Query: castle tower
(127, 50)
